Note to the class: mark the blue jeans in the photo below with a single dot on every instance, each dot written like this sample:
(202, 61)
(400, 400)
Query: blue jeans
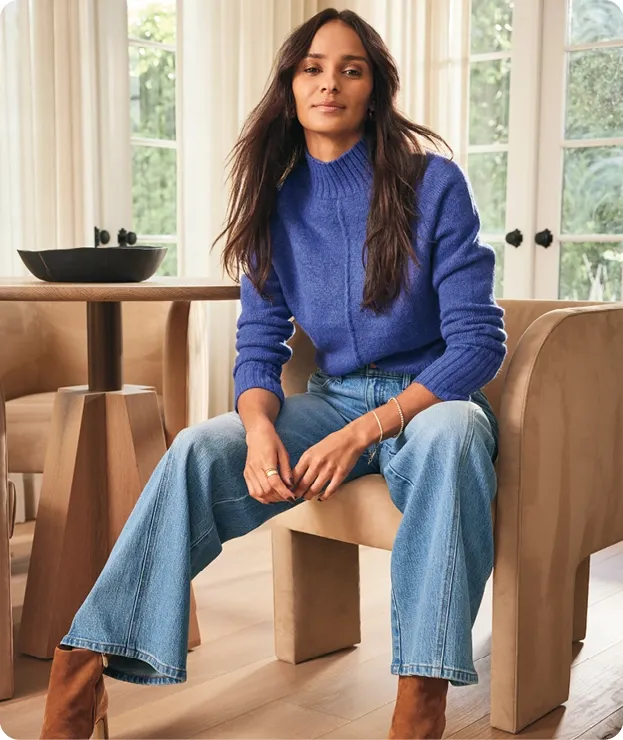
(440, 475)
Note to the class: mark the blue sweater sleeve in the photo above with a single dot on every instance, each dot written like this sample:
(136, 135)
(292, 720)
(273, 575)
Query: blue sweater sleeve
(463, 277)
(264, 327)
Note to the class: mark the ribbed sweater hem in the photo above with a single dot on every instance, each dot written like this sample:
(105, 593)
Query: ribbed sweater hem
(257, 375)
(441, 378)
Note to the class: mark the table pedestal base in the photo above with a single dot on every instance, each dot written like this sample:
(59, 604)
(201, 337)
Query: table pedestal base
(103, 448)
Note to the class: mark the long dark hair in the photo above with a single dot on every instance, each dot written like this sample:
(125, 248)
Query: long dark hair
(272, 143)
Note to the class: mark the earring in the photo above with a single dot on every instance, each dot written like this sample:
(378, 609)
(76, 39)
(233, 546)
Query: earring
(371, 113)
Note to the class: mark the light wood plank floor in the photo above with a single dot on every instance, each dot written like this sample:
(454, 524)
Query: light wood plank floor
(237, 689)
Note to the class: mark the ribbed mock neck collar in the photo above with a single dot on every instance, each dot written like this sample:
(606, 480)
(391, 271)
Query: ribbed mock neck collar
(349, 174)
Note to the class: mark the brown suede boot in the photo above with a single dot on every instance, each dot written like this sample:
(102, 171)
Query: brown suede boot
(77, 702)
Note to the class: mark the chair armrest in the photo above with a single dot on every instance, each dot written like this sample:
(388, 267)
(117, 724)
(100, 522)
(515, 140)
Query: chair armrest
(561, 436)
(175, 370)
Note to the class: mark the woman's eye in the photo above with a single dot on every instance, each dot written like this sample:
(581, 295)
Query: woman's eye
(348, 72)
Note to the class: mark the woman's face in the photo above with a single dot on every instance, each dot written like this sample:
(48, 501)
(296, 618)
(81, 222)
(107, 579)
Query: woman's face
(338, 71)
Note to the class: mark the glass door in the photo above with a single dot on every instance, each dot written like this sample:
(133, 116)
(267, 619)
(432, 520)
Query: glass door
(505, 67)
(579, 234)
(137, 71)
(491, 39)
(152, 36)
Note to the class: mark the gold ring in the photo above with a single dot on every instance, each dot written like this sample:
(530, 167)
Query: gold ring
(271, 471)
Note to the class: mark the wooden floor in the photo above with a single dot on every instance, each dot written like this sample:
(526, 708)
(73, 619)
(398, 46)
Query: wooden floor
(237, 689)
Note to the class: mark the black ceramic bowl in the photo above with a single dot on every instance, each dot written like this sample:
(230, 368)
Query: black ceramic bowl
(94, 264)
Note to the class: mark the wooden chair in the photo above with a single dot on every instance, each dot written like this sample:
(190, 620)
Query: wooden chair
(559, 401)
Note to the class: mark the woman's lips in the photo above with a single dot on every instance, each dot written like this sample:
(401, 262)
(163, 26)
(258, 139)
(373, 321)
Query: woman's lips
(329, 108)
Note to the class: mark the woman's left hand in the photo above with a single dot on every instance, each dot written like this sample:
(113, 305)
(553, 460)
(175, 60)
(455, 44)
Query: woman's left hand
(327, 463)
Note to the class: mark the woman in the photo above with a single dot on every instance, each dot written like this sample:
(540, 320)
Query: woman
(339, 218)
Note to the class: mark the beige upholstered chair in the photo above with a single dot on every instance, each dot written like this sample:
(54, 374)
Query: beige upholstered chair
(7, 515)
(43, 348)
(559, 400)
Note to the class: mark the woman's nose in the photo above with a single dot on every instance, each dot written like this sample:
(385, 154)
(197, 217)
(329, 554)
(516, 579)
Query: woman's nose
(329, 83)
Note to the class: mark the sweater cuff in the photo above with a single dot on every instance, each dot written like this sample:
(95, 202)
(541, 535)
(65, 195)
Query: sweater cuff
(256, 375)
(455, 378)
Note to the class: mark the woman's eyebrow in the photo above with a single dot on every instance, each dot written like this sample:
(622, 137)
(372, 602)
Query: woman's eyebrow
(345, 57)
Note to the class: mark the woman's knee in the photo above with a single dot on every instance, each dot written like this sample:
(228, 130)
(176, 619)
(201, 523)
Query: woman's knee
(448, 430)
(216, 438)
(448, 442)
(443, 421)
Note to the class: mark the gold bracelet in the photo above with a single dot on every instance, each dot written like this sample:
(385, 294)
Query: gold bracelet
(378, 421)
(372, 455)
(402, 418)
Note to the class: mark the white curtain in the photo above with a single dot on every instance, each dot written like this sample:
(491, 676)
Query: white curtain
(429, 39)
(225, 52)
(226, 49)
(51, 123)
(47, 127)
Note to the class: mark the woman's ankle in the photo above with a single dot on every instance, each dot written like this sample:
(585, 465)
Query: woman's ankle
(420, 708)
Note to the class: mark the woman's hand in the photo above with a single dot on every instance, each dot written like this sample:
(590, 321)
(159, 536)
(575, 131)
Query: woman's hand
(327, 463)
(266, 450)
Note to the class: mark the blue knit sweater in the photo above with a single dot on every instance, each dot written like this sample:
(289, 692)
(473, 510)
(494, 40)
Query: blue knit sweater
(446, 329)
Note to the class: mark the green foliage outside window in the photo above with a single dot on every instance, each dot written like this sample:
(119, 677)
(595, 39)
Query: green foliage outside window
(152, 113)
(593, 177)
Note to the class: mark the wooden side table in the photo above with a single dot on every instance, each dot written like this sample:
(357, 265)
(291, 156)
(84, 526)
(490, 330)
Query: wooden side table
(105, 441)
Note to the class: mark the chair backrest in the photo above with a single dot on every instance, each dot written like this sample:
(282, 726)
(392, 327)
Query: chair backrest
(43, 345)
(519, 314)
(20, 349)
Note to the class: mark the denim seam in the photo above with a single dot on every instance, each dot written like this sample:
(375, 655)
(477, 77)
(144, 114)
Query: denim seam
(397, 474)
(230, 500)
(435, 666)
(456, 526)
(319, 385)
(395, 603)
(147, 548)
(111, 648)
(451, 674)
(337, 379)
(163, 680)
(202, 537)
(410, 484)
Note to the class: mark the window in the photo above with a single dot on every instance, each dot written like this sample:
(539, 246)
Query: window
(152, 52)
(545, 147)
(591, 250)
(489, 96)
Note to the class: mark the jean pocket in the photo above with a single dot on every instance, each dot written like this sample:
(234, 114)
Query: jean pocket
(392, 446)
(321, 379)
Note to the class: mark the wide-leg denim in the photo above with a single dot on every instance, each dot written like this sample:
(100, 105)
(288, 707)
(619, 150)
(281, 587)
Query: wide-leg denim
(440, 475)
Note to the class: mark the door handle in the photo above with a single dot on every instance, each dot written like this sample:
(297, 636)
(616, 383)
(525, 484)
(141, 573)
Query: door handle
(101, 237)
(125, 238)
(514, 237)
(544, 238)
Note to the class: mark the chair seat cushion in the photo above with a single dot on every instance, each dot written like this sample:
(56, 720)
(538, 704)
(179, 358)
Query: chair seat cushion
(360, 512)
(28, 420)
